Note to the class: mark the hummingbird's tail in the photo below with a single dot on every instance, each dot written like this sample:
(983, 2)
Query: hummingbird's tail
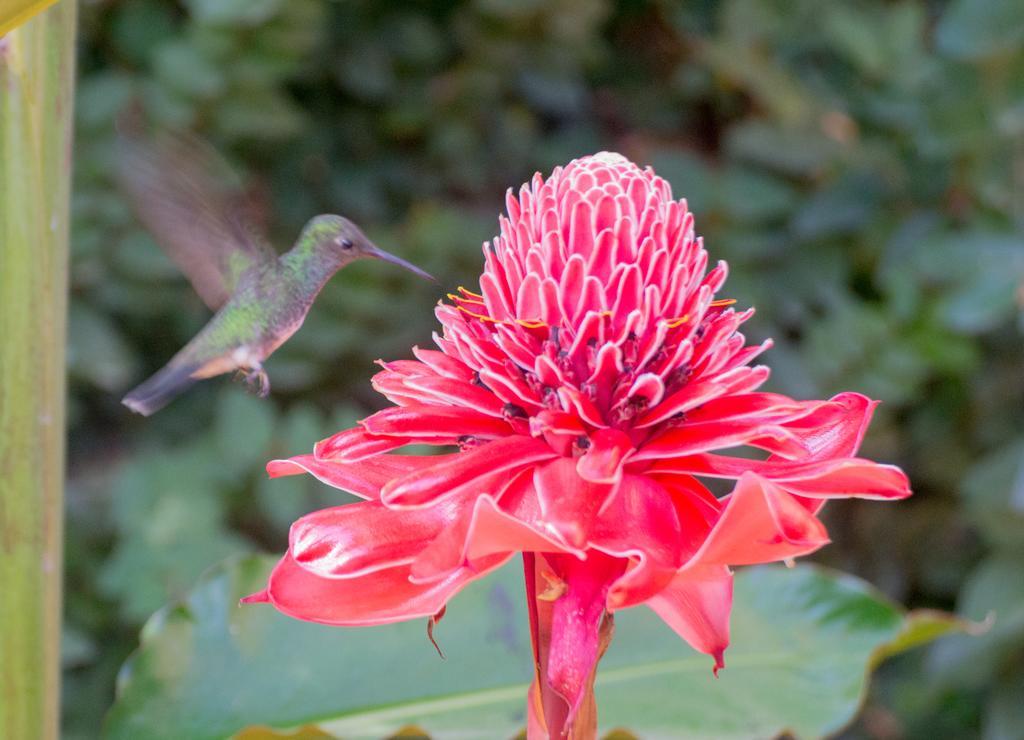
(160, 389)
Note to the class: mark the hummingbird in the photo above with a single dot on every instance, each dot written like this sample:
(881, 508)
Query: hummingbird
(186, 195)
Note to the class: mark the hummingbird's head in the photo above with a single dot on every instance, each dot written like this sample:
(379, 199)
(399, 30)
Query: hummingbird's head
(344, 241)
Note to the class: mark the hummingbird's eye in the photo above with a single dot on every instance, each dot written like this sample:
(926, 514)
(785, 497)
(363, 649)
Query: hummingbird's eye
(345, 243)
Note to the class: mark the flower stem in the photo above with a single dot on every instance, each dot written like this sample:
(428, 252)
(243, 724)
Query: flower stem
(549, 715)
(37, 83)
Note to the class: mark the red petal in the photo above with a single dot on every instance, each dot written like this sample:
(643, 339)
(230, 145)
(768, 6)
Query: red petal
(583, 406)
(696, 605)
(568, 503)
(528, 300)
(378, 598)
(603, 460)
(641, 524)
(442, 364)
(419, 420)
(457, 392)
(761, 523)
(351, 445)
(505, 454)
(363, 478)
(570, 286)
(353, 540)
(765, 406)
(835, 428)
(831, 478)
(691, 496)
(713, 435)
(392, 387)
(649, 387)
(575, 622)
(692, 395)
(480, 531)
(853, 477)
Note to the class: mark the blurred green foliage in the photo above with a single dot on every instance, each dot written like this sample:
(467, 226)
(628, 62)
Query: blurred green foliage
(860, 166)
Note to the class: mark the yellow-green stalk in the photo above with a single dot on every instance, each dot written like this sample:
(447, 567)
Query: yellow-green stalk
(36, 96)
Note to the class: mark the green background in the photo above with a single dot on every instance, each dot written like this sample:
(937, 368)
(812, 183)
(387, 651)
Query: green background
(860, 166)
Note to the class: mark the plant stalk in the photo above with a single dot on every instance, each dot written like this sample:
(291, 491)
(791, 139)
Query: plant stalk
(36, 97)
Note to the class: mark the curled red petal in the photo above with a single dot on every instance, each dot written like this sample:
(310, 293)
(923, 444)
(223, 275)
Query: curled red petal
(482, 530)
(845, 477)
(607, 450)
(761, 523)
(377, 598)
(356, 539)
(696, 604)
(835, 428)
(363, 478)
(351, 445)
(852, 478)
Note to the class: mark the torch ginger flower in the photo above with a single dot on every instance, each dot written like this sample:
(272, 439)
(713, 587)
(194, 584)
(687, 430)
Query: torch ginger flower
(590, 385)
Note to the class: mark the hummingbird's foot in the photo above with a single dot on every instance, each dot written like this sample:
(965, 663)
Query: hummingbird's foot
(258, 381)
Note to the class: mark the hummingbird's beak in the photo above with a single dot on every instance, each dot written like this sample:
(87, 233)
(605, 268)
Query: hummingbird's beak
(388, 257)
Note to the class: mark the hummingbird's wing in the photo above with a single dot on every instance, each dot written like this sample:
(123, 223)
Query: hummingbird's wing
(193, 203)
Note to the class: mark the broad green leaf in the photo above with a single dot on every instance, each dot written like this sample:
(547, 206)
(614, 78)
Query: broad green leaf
(804, 641)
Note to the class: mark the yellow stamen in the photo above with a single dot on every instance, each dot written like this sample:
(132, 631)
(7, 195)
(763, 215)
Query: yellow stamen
(463, 299)
(470, 293)
(525, 323)
(482, 317)
(721, 303)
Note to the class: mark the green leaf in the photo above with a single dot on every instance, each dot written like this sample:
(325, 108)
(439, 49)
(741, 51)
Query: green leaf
(233, 12)
(803, 642)
(993, 493)
(789, 151)
(993, 595)
(747, 195)
(178, 67)
(691, 178)
(244, 428)
(170, 520)
(97, 352)
(972, 29)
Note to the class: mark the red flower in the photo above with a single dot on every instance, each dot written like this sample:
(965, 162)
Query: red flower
(590, 386)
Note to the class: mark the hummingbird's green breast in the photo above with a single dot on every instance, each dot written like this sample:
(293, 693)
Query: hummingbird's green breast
(268, 306)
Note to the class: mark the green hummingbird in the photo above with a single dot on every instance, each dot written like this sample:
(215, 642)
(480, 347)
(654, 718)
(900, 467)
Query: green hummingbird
(189, 199)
